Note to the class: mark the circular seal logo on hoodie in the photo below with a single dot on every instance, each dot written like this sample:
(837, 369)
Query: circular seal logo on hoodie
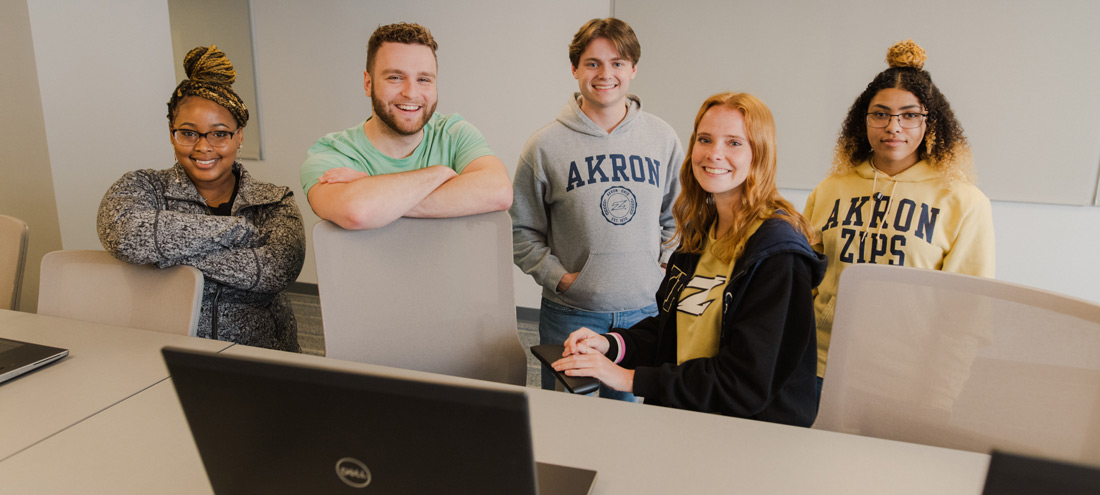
(618, 205)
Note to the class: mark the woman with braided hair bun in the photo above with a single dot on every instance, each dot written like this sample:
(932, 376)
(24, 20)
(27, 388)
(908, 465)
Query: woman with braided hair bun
(245, 235)
(901, 190)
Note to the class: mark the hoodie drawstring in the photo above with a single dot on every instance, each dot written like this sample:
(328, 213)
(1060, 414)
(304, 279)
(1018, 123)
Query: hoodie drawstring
(877, 196)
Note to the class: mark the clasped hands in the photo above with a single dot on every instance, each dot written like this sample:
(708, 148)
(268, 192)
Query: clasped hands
(584, 356)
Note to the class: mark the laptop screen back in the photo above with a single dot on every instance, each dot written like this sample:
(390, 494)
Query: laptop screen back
(265, 427)
(1015, 474)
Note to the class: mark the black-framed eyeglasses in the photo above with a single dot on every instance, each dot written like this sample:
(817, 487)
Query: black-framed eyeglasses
(190, 137)
(907, 120)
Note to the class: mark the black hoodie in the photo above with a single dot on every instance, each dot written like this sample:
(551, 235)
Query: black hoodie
(766, 366)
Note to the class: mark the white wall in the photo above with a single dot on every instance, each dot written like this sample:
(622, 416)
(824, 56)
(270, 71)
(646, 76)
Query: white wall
(27, 189)
(107, 66)
(105, 74)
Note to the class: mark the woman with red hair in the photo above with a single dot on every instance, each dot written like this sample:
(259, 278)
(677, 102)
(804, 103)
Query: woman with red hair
(734, 333)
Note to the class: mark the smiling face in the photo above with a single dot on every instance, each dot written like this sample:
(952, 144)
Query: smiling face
(402, 87)
(894, 148)
(721, 156)
(210, 168)
(603, 75)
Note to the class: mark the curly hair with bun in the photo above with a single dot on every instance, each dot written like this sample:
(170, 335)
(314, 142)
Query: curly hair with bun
(944, 145)
(210, 75)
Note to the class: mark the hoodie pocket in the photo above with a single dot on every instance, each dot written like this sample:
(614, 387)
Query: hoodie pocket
(615, 282)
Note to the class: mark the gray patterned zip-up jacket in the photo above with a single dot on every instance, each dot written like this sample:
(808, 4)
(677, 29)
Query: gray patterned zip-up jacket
(247, 258)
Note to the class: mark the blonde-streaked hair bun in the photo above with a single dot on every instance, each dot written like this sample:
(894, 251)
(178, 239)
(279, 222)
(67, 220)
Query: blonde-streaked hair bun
(208, 63)
(210, 75)
(906, 54)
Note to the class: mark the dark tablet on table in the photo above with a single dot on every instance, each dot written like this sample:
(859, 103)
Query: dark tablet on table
(548, 353)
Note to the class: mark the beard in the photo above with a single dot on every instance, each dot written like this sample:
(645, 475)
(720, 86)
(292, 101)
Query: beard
(385, 112)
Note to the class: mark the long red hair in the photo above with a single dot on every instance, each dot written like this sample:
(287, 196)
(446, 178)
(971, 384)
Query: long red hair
(695, 211)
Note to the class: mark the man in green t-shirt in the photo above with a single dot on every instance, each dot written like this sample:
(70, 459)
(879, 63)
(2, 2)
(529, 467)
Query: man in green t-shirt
(405, 159)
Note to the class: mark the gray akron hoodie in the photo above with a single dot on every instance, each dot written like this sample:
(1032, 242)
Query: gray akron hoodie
(597, 203)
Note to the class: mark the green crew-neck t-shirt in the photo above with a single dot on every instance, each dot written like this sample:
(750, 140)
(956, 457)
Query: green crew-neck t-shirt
(449, 140)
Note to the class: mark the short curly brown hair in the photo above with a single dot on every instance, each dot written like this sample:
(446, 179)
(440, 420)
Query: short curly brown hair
(402, 32)
(944, 146)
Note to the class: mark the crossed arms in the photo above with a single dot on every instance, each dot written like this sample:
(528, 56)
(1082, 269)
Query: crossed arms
(261, 253)
(355, 200)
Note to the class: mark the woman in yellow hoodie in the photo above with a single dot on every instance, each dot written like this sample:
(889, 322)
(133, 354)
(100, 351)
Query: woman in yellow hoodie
(901, 191)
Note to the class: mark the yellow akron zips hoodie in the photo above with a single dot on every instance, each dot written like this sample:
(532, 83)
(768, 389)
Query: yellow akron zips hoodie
(915, 218)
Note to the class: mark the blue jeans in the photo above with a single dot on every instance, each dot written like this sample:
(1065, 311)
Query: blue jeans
(556, 322)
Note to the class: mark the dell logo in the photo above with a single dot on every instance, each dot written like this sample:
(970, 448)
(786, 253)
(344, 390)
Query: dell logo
(353, 472)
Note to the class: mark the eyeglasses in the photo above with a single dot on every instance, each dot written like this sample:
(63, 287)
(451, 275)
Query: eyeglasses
(190, 137)
(907, 120)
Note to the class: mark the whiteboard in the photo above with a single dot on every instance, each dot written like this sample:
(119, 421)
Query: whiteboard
(1023, 78)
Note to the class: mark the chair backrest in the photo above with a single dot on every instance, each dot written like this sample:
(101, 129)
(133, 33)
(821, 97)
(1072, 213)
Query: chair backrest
(13, 257)
(963, 362)
(423, 294)
(94, 286)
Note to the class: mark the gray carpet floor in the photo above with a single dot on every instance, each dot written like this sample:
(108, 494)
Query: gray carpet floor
(311, 335)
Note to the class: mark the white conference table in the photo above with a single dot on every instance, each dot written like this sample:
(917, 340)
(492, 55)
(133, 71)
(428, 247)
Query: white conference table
(142, 445)
(106, 364)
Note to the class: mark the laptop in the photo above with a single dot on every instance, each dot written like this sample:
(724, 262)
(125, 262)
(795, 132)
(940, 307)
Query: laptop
(264, 426)
(1014, 474)
(18, 357)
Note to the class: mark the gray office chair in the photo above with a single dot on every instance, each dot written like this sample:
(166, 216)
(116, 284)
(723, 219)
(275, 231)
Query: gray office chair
(424, 294)
(963, 362)
(13, 258)
(94, 286)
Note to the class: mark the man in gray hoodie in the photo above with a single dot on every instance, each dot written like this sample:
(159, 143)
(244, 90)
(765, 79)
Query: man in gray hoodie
(593, 196)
